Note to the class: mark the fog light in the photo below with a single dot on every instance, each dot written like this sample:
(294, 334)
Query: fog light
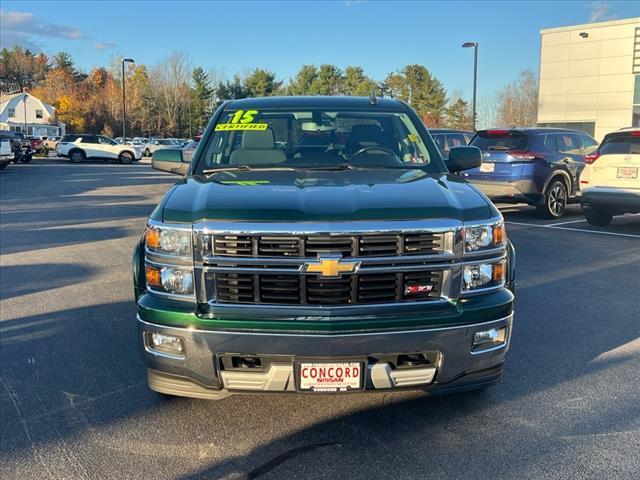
(489, 338)
(165, 343)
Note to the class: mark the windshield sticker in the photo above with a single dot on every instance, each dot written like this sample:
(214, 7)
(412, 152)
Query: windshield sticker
(245, 183)
(413, 138)
(242, 120)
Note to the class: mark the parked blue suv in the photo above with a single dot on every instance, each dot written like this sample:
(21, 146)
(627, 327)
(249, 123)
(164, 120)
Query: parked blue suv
(538, 166)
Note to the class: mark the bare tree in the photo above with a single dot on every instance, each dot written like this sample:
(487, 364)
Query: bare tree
(170, 80)
(518, 102)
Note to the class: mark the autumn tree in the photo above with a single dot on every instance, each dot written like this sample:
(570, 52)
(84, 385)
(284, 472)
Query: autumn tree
(19, 66)
(415, 85)
(518, 102)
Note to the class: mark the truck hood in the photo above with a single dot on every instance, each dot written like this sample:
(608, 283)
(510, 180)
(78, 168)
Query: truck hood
(288, 195)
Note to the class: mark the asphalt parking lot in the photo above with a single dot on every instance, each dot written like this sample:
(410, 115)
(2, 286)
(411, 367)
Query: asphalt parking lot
(74, 402)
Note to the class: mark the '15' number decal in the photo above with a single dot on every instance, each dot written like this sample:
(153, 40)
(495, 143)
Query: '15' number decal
(242, 116)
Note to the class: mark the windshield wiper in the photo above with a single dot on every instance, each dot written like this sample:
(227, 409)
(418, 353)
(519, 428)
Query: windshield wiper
(498, 147)
(331, 168)
(241, 168)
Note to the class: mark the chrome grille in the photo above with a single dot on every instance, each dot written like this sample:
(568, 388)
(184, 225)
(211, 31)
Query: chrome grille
(364, 288)
(424, 243)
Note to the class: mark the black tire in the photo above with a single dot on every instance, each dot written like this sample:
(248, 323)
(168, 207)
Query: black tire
(3, 165)
(598, 218)
(26, 158)
(77, 156)
(554, 201)
(126, 158)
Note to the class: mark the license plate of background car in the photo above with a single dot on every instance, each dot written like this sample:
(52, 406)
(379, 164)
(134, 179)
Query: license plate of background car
(628, 172)
(487, 167)
(330, 376)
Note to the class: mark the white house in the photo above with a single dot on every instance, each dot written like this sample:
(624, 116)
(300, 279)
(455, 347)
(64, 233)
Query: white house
(21, 112)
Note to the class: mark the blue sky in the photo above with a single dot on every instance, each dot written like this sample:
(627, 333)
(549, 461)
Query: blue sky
(233, 37)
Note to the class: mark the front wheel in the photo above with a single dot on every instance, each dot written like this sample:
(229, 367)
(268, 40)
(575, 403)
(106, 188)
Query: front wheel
(3, 165)
(77, 156)
(598, 218)
(125, 158)
(554, 201)
(26, 158)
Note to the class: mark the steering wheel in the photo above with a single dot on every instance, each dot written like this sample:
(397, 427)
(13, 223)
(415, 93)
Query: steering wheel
(376, 147)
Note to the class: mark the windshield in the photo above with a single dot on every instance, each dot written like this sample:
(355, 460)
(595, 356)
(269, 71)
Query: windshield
(621, 144)
(318, 139)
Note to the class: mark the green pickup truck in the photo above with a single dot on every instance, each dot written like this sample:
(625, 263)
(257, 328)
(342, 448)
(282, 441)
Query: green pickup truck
(321, 244)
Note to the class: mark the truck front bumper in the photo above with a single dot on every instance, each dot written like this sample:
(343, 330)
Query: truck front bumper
(204, 370)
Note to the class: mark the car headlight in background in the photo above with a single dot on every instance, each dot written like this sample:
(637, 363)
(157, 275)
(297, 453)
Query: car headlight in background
(483, 275)
(484, 237)
(167, 240)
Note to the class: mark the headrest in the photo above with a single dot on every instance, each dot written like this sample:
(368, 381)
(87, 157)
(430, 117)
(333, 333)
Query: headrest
(258, 139)
(366, 133)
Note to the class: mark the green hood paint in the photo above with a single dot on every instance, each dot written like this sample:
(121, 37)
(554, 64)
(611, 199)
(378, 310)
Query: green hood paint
(303, 195)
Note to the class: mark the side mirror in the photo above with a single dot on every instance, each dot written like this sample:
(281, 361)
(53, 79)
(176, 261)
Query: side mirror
(463, 158)
(169, 160)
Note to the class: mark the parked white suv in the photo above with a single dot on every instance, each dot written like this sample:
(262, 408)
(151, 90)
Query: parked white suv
(159, 144)
(82, 146)
(610, 182)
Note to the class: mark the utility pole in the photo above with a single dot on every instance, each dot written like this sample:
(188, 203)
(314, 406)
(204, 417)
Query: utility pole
(475, 75)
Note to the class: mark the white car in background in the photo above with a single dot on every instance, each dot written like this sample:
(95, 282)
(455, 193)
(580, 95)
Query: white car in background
(158, 144)
(82, 146)
(610, 182)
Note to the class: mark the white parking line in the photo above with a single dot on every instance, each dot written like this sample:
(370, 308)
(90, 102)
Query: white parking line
(566, 223)
(554, 227)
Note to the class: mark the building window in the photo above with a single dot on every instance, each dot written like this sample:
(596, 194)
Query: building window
(586, 127)
(38, 113)
(12, 112)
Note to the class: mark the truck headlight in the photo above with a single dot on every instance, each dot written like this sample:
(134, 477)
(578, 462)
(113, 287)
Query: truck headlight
(483, 275)
(484, 237)
(174, 280)
(168, 240)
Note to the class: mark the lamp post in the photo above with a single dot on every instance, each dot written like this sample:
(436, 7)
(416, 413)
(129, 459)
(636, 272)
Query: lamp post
(475, 75)
(124, 101)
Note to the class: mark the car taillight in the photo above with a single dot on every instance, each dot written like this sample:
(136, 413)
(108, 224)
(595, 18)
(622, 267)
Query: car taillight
(591, 158)
(497, 132)
(525, 156)
(635, 133)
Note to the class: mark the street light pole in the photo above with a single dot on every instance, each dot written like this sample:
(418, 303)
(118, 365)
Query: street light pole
(124, 101)
(475, 76)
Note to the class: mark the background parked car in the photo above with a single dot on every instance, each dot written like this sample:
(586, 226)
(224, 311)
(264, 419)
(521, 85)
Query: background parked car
(538, 166)
(51, 142)
(157, 144)
(6, 153)
(610, 182)
(20, 146)
(447, 138)
(37, 144)
(82, 146)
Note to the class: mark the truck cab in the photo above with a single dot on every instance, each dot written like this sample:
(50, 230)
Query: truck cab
(322, 245)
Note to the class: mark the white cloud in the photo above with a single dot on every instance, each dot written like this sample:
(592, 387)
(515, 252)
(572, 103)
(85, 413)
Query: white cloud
(29, 31)
(103, 45)
(600, 11)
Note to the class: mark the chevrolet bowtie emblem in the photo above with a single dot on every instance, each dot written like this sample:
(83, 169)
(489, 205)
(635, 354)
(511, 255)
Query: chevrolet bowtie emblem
(330, 267)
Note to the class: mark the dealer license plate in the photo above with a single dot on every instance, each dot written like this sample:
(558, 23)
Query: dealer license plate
(627, 172)
(487, 167)
(330, 377)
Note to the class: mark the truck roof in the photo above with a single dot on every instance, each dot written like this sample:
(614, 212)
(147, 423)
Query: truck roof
(318, 102)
